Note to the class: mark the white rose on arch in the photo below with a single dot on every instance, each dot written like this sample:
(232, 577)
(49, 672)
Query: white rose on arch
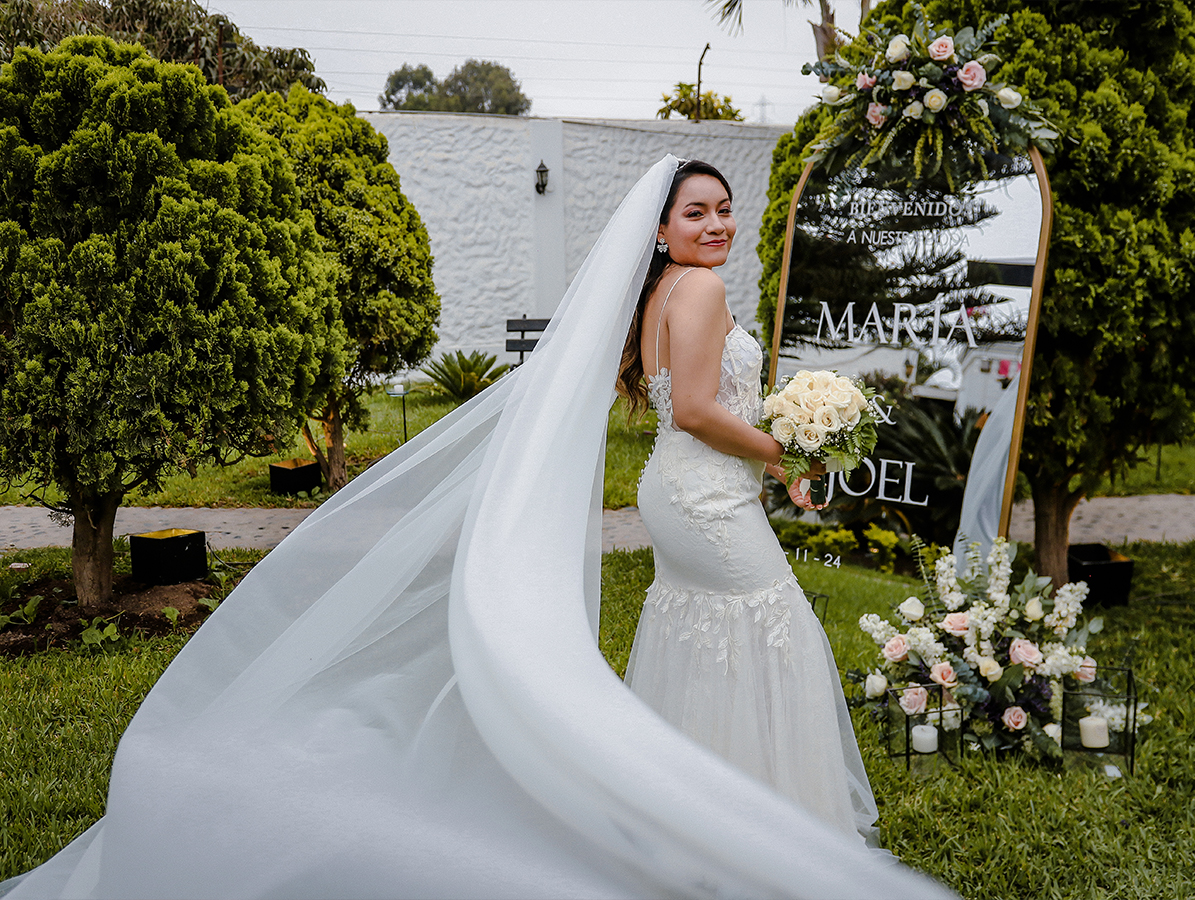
(902, 80)
(831, 94)
(1008, 98)
(912, 609)
(935, 100)
(913, 110)
(898, 49)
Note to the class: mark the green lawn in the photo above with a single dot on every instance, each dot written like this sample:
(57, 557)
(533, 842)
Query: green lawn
(993, 829)
(1177, 475)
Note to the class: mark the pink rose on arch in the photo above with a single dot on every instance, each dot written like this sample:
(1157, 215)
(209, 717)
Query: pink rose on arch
(955, 623)
(1025, 653)
(1086, 671)
(943, 674)
(914, 700)
(865, 82)
(1014, 718)
(875, 114)
(942, 48)
(896, 649)
(972, 76)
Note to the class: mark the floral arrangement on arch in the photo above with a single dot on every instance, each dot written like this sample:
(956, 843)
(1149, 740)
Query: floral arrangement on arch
(926, 104)
(999, 652)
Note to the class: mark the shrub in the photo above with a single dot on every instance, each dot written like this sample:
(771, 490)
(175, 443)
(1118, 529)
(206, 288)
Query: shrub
(882, 545)
(462, 376)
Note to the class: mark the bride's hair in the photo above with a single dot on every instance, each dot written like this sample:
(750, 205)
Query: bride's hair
(631, 383)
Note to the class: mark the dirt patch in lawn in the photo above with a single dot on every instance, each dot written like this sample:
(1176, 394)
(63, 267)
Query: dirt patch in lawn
(59, 620)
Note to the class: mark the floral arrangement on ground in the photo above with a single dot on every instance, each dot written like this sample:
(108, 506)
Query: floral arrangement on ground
(925, 107)
(996, 656)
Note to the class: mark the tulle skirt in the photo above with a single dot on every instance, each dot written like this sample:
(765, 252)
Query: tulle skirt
(729, 651)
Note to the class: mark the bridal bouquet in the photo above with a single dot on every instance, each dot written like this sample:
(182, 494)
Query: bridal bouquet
(925, 103)
(999, 652)
(824, 417)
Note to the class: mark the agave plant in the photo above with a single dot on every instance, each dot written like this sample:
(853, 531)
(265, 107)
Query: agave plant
(462, 376)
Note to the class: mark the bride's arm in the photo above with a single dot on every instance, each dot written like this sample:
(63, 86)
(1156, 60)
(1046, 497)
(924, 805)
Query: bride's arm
(696, 323)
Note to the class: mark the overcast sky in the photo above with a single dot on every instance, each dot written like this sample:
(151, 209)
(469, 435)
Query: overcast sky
(573, 57)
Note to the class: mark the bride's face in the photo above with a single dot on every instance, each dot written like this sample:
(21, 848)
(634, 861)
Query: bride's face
(700, 226)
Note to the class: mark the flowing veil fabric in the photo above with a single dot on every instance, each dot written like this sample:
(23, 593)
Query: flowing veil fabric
(406, 699)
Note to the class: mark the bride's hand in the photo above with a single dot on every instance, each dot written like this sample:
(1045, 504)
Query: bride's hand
(798, 491)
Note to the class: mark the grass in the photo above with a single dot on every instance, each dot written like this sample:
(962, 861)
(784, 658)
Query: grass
(993, 829)
(1177, 475)
(247, 483)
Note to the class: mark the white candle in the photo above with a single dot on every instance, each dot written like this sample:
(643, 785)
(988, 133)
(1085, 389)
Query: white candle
(925, 739)
(1093, 732)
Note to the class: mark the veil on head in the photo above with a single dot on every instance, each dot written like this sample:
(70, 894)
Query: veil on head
(406, 698)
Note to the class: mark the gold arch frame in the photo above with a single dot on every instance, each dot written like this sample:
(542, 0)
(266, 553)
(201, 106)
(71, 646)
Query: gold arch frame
(1035, 292)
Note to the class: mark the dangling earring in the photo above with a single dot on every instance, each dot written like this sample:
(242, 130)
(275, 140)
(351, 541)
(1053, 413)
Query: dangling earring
(661, 245)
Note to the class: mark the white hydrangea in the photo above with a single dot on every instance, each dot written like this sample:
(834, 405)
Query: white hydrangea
(1068, 604)
(921, 641)
(1059, 660)
(881, 631)
(1117, 714)
(952, 598)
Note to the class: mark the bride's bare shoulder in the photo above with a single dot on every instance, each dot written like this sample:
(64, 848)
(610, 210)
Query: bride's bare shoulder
(700, 289)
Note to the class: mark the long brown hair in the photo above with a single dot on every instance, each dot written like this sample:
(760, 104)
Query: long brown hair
(631, 383)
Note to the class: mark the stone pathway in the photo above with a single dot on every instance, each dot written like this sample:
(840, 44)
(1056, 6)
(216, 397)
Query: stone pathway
(1156, 517)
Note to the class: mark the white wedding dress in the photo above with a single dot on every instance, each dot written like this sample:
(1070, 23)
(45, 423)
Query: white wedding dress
(728, 649)
(406, 698)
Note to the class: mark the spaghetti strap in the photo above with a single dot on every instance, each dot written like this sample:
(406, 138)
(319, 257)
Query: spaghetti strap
(660, 320)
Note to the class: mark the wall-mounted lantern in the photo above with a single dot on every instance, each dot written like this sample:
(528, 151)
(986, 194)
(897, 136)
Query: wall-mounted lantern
(541, 178)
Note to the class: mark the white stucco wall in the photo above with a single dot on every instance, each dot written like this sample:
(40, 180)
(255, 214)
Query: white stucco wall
(503, 250)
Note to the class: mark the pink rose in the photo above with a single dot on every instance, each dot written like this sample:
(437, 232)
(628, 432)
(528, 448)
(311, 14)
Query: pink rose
(865, 82)
(875, 114)
(896, 649)
(1024, 653)
(1014, 718)
(913, 700)
(1086, 671)
(972, 76)
(942, 48)
(955, 623)
(943, 674)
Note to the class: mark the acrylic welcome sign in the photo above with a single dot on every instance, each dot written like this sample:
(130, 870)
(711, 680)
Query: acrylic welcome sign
(932, 295)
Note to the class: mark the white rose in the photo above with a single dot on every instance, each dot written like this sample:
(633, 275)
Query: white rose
(1033, 610)
(769, 405)
(827, 417)
(783, 406)
(990, 669)
(898, 48)
(799, 383)
(875, 685)
(983, 106)
(831, 94)
(838, 398)
(935, 100)
(823, 381)
(902, 80)
(1053, 730)
(1008, 98)
(784, 430)
(912, 609)
(813, 400)
(800, 415)
(913, 110)
(810, 437)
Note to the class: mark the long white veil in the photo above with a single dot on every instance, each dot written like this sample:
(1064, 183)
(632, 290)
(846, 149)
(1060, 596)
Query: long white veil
(406, 699)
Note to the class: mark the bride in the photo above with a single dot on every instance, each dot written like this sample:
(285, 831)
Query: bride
(406, 699)
(728, 649)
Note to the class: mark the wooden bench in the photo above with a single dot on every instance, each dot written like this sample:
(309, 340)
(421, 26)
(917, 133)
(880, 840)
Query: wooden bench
(524, 326)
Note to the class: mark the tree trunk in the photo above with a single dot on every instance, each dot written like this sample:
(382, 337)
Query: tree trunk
(316, 451)
(1053, 505)
(825, 35)
(91, 546)
(337, 473)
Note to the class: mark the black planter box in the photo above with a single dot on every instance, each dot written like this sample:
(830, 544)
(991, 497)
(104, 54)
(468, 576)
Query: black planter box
(1109, 574)
(170, 556)
(293, 475)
